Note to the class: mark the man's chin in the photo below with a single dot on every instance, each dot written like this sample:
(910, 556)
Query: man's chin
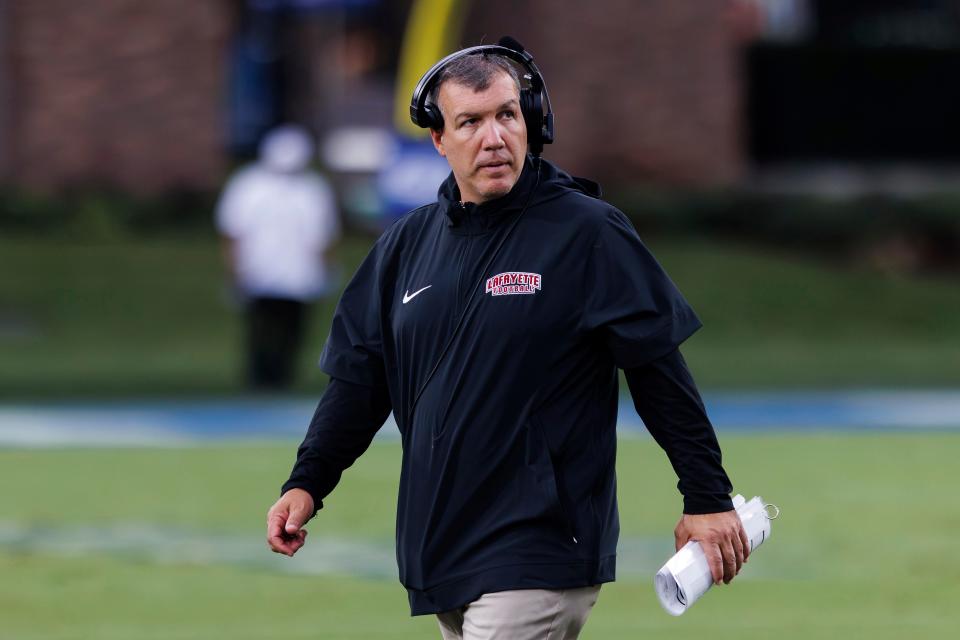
(498, 188)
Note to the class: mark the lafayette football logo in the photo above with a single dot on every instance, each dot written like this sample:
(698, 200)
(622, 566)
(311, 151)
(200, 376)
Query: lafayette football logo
(514, 283)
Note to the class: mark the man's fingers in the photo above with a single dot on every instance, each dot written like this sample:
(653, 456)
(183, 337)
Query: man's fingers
(300, 513)
(287, 544)
(279, 537)
(738, 552)
(278, 544)
(295, 520)
(723, 538)
(715, 560)
(285, 521)
(729, 562)
(276, 537)
(275, 522)
(275, 533)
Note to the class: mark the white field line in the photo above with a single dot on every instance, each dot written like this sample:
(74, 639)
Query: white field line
(638, 558)
(40, 429)
(164, 545)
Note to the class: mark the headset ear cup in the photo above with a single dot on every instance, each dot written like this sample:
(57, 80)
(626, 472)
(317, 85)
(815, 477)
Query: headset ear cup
(432, 118)
(532, 110)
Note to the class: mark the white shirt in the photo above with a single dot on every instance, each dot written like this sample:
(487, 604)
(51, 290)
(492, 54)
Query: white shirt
(281, 223)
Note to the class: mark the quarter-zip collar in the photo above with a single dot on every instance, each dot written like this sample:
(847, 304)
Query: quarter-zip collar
(469, 218)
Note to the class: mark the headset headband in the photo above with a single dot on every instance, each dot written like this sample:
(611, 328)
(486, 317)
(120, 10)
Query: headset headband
(533, 108)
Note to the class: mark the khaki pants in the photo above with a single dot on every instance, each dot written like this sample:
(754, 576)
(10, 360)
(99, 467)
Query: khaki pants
(525, 614)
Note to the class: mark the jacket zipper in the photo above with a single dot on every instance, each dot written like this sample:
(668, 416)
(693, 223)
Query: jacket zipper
(461, 293)
(464, 259)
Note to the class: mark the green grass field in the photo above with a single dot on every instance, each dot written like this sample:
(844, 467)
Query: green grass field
(865, 547)
(150, 317)
(139, 544)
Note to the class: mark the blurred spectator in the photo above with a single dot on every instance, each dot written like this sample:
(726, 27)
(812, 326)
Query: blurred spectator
(279, 221)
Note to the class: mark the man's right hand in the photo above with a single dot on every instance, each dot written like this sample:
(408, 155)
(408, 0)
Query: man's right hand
(285, 521)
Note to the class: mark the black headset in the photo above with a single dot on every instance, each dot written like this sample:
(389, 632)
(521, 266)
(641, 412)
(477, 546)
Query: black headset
(532, 99)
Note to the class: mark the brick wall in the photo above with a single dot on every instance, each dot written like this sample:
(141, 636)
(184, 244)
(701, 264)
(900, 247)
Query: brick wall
(642, 89)
(131, 93)
(126, 93)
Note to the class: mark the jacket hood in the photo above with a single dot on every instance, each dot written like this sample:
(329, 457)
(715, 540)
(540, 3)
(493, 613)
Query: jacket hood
(545, 178)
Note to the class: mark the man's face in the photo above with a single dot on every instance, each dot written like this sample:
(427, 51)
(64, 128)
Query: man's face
(484, 137)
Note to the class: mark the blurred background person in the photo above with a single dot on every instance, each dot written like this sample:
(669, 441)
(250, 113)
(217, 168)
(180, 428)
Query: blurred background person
(279, 221)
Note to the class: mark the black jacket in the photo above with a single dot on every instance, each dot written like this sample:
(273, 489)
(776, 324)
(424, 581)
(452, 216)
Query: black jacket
(494, 333)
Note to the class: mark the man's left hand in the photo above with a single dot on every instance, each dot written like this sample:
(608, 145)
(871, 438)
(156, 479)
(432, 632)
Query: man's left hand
(723, 539)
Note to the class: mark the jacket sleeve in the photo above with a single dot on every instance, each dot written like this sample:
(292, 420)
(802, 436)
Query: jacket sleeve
(667, 400)
(343, 425)
(353, 351)
(630, 302)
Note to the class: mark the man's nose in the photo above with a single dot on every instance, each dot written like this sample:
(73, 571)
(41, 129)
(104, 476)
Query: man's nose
(492, 135)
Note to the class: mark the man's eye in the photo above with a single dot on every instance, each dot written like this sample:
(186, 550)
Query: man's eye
(468, 122)
(508, 113)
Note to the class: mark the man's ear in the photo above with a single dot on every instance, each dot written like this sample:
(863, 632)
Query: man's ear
(437, 137)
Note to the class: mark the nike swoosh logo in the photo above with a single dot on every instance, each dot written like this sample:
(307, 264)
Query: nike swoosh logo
(407, 296)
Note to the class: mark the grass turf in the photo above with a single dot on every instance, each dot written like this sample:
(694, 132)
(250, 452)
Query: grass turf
(864, 547)
(151, 317)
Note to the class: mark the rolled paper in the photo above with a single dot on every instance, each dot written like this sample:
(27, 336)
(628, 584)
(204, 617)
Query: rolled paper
(686, 576)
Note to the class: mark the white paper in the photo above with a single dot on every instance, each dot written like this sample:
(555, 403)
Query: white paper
(686, 576)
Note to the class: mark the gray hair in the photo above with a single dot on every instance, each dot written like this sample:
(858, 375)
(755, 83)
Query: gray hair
(476, 71)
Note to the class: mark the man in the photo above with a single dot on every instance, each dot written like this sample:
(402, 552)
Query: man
(278, 220)
(492, 323)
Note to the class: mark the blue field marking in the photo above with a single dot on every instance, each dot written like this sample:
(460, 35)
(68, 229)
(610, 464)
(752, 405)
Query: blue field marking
(848, 410)
(175, 423)
(154, 423)
(861, 410)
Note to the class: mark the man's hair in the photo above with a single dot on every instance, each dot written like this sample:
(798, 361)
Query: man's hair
(476, 71)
